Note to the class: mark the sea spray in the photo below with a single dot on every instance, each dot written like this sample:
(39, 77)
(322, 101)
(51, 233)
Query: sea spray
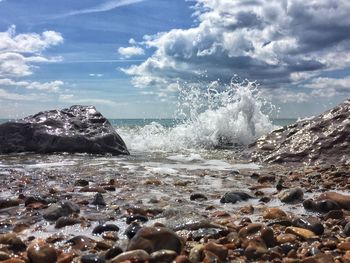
(211, 117)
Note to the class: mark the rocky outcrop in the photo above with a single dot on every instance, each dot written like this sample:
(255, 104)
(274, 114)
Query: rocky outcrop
(79, 129)
(323, 139)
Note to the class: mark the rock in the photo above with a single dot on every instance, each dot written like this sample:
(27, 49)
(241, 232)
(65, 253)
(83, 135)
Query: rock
(346, 230)
(323, 206)
(197, 253)
(219, 250)
(13, 260)
(13, 241)
(92, 258)
(164, 256)
(313, 224)
(81, 182)
(139, 218)
(234, 197)
(42, 252)
(286, 238)
(79, 129)
(345, 246)
(138, 255)
(6, 203)
(152, 239)
(105, 227)
(65, 208)
(323, 139)
(82, 243)
(98, 200)
(319, 258)
(301, 232)
(255, 249)
(212, 233)
(132, 229)
(113, 252)
(182, 259)
(334, 214)
(4, 256)
(257, 231)
(198, 196)
(274, 213)
(342, 200)
(92, 189)
(66, 221)
(291, 195)
(189, 222)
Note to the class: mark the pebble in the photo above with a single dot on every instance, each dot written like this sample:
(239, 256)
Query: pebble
(113, 252)
(255, 249)
(234, 197)
(132, 229)
(4, 256)
(92, 189)
(137, 255)
(13, 241)
(66, 221)
(257, 230)
(98, 200)
(197, 253)
(342, 200)
(42, 252)
(65, 208)
(286, 238)
(82, 243)
(291, 195)
(139, 218)
(301, 232)
(92, 258)
(319, 258)
(274, 213)
(323, 206)
(219, 250)
(162, 256)
(152, 239)
(313, 225)
(345, 246)
(198, 196)
(346, 230)
(6, 203)
(105, 227)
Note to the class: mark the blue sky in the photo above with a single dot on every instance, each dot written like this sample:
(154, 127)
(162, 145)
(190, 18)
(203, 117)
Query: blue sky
(127, 57)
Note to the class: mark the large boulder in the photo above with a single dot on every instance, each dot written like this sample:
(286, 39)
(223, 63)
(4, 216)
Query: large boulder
(79, 129)
(323, 139)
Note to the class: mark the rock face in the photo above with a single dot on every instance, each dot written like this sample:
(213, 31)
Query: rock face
(79, 129)
(325, 138)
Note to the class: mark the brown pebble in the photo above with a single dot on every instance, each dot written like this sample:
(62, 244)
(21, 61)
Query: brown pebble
(219, 250)
(274, 213)
(248, 209)
(137, 255)
(13, 260)
(286, 238)
(301, 232)
(319, 258)
(182, 259)
(42, 252)
(92, 189)
(345, 246)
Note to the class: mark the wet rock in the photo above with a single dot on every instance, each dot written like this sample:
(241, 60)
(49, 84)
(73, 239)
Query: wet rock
(79, 129)
(81, 182)
(6, 203)
(323, 139)
(319, 258)
(82, 243)
(113, 252)
(35, 199)
(323, 206)
(98, 200)
(234, 197)
(139, 218)
(41, 252)
(92, 189)
(138, 255)
(13, 241)
(274, 213)
(189, 222)
(152, 239)
(132, 229)
(286, 238)
(182, 259)
(259, 231)
(334, 214)
(255, 249)
(342, 200)
(312, 224)
(4, 256)
(105, 227)
(248, 209)
(345, 246)
(219, 250)
(164, 256)
(197, 253)
(198, 196)
(291, 195)
(65, 208)
(346, 230)
(301, 232)
(92, 258)
(213, 233)
(66, 221)
(13, 260)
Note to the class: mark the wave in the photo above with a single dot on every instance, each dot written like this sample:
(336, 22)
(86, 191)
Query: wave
(216, 116)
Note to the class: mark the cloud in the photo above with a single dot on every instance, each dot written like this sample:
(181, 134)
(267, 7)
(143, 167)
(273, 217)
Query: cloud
(53, 86)
(103, 7)
(272, 41)
(97, 75)
(128, 52)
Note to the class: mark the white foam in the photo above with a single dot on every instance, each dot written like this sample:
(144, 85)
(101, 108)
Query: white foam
(185, 158)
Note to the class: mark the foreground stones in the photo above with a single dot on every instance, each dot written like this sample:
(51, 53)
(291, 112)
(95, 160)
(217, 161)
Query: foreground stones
(323, 139)
(79, 129)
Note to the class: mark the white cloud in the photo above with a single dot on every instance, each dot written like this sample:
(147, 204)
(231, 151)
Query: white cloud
(128, 52)
(97, 75)
(52, 86)
(5, 95)
(272, 41)
(329, 86)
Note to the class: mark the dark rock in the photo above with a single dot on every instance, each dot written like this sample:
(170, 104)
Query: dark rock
(39, 253)
(255, 249)
(346, 230)
(312, 224)
(82, 243)
(198, 196)
(342, 200)
(132, 229)
(234, 197)
(257, 231)
(334, 214)
(137, 255)
(98, 200)
(164, 256)
(13, 241)
(139, 218)
(105, 227)
(92, 258)
(81, 182)
(212, 233)
(323, 139)
(152, 239)
(66, 221)
(323, 206)
(291, 195)
(35, 199)
(79, 129)
(65, 208)
(6, 203)
(113, 252)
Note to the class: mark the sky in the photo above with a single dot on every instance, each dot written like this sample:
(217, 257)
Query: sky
(128, 57)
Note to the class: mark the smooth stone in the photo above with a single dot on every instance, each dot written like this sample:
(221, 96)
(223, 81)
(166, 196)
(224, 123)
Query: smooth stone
(319, 258)
(164, 256)
(105, 227)
(13, 260)
(132, 229)
(4, 256)
(210, 257)
(346, 229)
(39, 253)
(98, 200)
(274, 213)
(342, 200)
(81, 182)
(79, 129)
(301, 232)
(13, 241)
(139, 218)
(182, 259)
(113, 252)
(198, 196)
(313, 225)
(189, 222)
(291, 195)
(35, 199)
(152, 239)
(323, 206)
(6, 203)
(92, 189)
(197, 253)
(255, 249)
(234, 197)
(66, 221)
(286, 238)
(92, 258)
(64, 208)
(212, 233)
(137, 255)
(345, 246)
(219, 250)
(82, 243)
(334, 214)
(257, 230)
